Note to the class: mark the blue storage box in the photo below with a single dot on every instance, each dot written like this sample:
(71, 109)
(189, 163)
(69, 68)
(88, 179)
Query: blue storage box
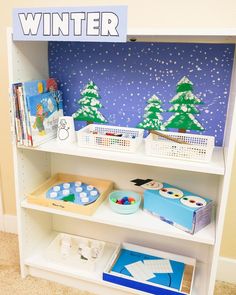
(151, 271)
(178, 207)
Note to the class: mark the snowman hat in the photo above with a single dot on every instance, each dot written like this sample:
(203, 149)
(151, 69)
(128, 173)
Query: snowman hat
(140, 182)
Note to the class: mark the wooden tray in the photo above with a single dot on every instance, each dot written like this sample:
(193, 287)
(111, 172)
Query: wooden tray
(119, 277)
(38, 196)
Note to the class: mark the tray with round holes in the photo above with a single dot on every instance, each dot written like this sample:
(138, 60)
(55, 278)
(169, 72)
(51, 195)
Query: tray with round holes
(75, 193)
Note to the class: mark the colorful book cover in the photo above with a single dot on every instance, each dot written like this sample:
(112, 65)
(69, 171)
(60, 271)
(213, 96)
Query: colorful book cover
(44, 112)
(31, 88)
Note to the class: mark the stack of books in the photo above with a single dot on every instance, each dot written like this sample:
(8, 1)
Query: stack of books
(37, 108)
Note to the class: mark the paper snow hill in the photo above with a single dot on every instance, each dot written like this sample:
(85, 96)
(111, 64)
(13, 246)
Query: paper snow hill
(184, 107)
(90, 104)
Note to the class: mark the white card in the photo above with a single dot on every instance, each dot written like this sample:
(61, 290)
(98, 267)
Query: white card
(158, 265)
(139, 271)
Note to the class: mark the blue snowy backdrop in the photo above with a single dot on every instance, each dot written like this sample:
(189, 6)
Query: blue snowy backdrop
(127, 74)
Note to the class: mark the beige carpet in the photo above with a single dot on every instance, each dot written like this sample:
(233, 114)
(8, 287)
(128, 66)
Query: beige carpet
(11, 282)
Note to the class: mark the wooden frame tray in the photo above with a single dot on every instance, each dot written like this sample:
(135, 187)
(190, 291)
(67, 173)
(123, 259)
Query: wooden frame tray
(38, 196)
(120, 277)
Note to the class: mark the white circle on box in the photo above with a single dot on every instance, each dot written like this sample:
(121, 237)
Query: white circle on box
(78, 183)
(171, 193)
(193, 201)
(93, 193)
(66, 185)
(89, 187)
(79, 189)
(84, 199)
(66, 192)
(56, 188)
(53, 194)
(153, 185)
(83, 195)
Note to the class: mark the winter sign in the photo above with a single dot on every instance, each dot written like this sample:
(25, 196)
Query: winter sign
(105, 23)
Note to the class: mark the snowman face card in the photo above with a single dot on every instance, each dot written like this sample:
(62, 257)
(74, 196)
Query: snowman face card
(66, 130)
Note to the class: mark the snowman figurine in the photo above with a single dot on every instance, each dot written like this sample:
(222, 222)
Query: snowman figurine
(63, 130)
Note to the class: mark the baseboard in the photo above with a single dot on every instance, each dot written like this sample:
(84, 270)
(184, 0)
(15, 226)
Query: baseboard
(226, 270)
(10, 224)
(1, 223)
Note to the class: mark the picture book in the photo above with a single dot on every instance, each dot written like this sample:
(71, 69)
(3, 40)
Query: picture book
(30, 88)
(21, 95)
(44, 111)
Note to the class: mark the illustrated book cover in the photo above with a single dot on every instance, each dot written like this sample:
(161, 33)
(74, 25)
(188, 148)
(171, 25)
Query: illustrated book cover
(44, 111)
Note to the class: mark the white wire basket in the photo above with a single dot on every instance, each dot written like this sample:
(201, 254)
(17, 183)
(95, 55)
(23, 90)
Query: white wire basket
(114, 138)
(198, 147)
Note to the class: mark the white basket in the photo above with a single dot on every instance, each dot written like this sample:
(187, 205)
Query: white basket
(66, 249)
(95, 136)
(198, 147)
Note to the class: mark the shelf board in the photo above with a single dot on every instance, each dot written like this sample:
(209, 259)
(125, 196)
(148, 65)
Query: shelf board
(180, 32)
(139, 221)
(215, 166)
(40, 265)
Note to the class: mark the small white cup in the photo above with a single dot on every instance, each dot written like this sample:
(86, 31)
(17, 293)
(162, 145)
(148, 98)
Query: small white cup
(86, 252)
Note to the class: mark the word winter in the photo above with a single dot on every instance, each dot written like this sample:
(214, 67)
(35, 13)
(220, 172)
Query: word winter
(70, 23)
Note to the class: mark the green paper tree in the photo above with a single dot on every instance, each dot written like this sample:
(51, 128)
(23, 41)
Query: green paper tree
(152, 117)
(184, 107)
(90, 104)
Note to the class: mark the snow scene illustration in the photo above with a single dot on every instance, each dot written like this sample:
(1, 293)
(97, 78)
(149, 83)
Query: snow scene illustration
(128, 75)
(44, 115)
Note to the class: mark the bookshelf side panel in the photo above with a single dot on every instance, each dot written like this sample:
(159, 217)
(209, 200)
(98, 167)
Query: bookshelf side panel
(29, 60)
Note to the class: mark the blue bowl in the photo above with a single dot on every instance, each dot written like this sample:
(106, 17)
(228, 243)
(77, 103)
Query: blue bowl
(121, 208)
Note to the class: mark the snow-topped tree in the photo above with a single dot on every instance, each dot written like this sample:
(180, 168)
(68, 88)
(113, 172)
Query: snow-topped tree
(152, 117)
(184, 107)
(90, 104)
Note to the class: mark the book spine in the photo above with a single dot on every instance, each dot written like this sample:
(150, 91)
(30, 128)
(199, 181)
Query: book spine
(27, 119)
(22, 113)
(17, 120)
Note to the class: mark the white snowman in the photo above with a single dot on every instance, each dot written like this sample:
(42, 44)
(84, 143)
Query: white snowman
(63, 130)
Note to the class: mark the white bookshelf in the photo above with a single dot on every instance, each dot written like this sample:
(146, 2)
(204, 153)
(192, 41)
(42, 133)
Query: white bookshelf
(37, 224)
